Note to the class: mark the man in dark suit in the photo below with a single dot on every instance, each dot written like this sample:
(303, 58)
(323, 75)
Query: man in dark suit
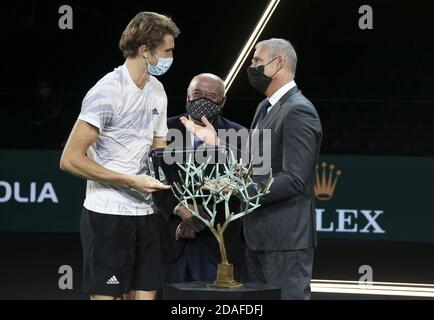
(190, 250)
(280, 236)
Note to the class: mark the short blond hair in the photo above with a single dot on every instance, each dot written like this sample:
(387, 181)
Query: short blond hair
(146, 28)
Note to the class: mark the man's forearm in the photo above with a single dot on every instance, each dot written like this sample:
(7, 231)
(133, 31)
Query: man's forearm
(86, 168)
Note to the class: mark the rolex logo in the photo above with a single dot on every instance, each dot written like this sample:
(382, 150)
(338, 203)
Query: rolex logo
(325, 184)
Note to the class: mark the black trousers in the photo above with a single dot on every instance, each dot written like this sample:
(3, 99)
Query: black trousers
(289, 270)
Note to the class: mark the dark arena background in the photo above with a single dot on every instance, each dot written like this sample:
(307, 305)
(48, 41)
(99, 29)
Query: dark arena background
(373, 89)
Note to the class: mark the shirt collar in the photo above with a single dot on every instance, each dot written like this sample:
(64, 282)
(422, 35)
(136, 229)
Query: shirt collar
(281, 92)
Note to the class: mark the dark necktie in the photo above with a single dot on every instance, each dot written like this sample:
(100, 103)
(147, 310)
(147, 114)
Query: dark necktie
(263, 108)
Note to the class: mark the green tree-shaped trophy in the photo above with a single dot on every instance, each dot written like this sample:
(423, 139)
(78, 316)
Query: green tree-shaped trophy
(214, 188)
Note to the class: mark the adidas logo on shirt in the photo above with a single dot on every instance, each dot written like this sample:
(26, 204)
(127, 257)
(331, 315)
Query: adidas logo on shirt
(113, 280)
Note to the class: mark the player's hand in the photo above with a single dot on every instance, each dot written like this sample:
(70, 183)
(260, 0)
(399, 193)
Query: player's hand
(147, 184)
(207, 134)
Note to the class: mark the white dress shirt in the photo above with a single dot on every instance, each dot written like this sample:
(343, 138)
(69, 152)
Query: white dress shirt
(280, 93)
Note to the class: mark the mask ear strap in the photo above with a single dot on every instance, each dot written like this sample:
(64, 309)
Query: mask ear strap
(158, 58)
(147, 57)
(275, 73)
(277, 70)
(145, 76)
(270, 62)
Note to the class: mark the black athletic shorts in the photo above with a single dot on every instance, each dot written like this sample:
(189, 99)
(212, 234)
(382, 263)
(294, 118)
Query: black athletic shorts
(120, 253)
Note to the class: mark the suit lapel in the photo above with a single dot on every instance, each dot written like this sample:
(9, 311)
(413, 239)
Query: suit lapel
(276, 108)
(217, 124)
(256, 133)
(271, 115)
(256, 114)
(251, 142)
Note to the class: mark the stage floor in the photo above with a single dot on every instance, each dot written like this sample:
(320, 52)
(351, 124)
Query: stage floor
(29, 264)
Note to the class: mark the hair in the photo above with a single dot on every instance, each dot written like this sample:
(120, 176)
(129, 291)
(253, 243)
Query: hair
(213, 77)
(221, 87)
(146, 28)
(282, 47)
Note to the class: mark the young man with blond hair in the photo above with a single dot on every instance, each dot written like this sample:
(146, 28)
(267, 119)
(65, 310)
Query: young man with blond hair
(122, 117)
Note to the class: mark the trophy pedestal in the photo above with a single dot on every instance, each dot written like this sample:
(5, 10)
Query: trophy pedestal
(225, 277)
(203, 291)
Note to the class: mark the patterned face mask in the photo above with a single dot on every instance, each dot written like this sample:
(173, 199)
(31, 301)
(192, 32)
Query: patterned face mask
(203, 107)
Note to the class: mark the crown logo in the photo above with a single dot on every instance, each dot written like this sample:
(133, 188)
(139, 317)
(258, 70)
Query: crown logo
(325, 186)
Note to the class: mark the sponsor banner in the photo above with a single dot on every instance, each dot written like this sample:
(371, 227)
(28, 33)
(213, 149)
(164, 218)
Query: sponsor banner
(375, 198)
(35, 195)
(358, 197)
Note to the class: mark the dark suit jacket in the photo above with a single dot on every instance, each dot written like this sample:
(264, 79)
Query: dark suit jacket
(286, 218)
(168, 222)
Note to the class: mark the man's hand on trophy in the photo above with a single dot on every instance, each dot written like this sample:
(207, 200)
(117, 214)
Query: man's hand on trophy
(189, 219)
(223, 185)
(241, 171)
(184, 232)
(146, 184)
(205, 133)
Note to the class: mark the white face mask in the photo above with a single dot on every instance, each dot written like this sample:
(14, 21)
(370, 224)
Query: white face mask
(162, 66)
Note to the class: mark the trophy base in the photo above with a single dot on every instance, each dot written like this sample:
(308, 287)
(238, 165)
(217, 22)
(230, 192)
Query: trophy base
(225, 277)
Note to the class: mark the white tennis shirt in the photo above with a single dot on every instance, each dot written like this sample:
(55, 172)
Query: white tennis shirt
(128, 118)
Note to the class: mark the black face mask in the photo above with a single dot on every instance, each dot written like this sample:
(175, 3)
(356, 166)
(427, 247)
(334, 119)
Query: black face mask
(203, 107)
(257, 79)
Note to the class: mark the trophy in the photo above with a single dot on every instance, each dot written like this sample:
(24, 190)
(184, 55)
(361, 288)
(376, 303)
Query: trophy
(208, 185)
